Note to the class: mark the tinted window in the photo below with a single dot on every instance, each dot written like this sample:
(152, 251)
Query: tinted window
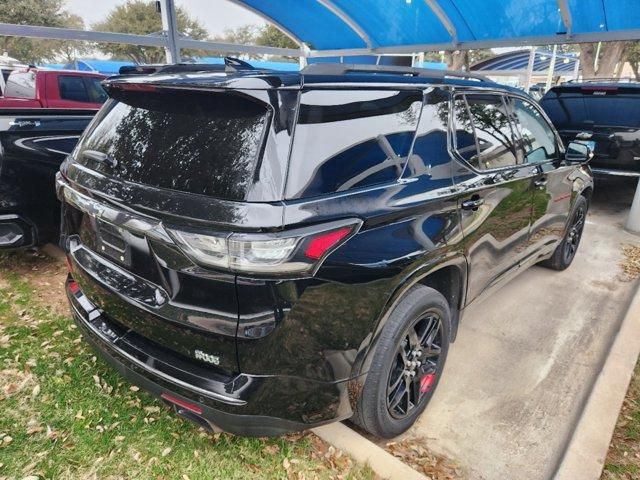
(73, 88)
(430, 154)
(196, 142)
(349, 139)
(576, 111)
(484, 136)
(538, 140)
(95, 90)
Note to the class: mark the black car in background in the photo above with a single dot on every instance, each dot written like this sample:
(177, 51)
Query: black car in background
(605, 116)
(33, 144)
(270, 251)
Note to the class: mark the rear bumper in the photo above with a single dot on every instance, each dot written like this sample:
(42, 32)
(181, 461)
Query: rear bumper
(243, 404)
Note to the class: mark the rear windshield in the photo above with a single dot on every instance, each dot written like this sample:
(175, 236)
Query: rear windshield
(576, 110)
(195, 142)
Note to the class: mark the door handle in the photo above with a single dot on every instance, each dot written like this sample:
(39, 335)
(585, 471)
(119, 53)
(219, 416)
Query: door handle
(540, 183)
(472, 204)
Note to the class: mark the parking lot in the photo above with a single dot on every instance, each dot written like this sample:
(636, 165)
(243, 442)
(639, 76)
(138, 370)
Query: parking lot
(526, 358)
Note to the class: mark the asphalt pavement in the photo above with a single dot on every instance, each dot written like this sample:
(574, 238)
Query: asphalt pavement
(526, 358)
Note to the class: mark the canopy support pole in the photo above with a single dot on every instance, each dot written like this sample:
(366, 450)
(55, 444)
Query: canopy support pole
(353, 25)
(576, 69)
(596, 61)
(552, 67)
(170, 30)
(444, 19)
(567, 19)
(532, 59)
(633, 220)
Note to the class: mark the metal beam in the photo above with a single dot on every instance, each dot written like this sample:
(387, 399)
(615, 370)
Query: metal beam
(31, 31)
(565, 13)
(7, 29)
(353, 25)
(236, 48)
(444, 19)
(552, 67)
(170, 29)
(532, 60)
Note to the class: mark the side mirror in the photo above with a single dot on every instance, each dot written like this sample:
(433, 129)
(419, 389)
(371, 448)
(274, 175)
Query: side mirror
(578, 153)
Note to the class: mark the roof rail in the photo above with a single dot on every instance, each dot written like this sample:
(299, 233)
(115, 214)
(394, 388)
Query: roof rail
(344, 68)
(605, 80)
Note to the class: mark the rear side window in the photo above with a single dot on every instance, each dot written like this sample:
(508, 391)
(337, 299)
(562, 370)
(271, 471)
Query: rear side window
(347, 139)
(484, 133)
(538, 139)
(577, 110)
(195, 142)
(73, 88)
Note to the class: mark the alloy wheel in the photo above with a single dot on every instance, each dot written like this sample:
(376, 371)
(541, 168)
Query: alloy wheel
(574, 235)
(415, 366)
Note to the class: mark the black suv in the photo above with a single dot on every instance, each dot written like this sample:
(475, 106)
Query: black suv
(605, 116)
(272, 251)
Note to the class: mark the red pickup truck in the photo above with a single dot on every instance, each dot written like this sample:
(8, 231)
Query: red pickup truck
(34, 88)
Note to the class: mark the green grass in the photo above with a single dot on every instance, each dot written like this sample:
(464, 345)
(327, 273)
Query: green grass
(623, 459)
(66, 414)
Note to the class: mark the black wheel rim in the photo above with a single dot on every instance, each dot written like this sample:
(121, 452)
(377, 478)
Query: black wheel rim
(574, 235)
(415, 366)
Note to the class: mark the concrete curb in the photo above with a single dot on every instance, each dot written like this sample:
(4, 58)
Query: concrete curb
(364, 451)
(587, 449)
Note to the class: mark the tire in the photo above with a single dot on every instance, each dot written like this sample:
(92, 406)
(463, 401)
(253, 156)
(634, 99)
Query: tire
(423, 312)
(566, 250)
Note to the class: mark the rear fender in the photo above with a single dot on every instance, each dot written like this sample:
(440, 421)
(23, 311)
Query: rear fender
(412, 277)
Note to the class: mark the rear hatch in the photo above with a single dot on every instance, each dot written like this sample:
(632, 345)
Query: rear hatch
(605, 117)
(155, 160)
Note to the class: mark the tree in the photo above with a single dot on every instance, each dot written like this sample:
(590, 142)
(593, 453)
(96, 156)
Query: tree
(46, 13)
(243, 35)
(271, 36)
(266, 35)
(69, 50)
(632, 54)
(458, 59)
(610, 55)
(141, 18)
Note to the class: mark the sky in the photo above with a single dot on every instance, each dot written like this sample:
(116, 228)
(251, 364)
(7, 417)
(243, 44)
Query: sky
(215, 15)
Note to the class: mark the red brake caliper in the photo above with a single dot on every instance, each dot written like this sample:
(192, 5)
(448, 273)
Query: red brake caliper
(426, 382)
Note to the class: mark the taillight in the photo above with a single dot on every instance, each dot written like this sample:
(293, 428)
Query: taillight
(319, 245)
(299, 251)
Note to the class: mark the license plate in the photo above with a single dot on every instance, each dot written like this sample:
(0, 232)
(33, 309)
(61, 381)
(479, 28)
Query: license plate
(112, 243)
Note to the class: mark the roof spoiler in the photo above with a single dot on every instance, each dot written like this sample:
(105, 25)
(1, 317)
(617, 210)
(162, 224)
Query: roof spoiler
(343, 69)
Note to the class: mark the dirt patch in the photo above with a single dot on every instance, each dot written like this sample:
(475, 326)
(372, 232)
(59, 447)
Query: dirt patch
(45, 274)
(414, 452)
(631, 263)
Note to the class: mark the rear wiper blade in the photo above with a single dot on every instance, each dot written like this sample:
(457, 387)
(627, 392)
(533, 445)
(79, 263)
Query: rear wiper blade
(100, 157)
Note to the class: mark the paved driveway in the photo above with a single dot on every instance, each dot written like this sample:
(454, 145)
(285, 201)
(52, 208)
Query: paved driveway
(526, 357)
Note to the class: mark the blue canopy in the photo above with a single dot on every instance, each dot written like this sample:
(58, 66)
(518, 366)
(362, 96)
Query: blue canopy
(419, 25)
